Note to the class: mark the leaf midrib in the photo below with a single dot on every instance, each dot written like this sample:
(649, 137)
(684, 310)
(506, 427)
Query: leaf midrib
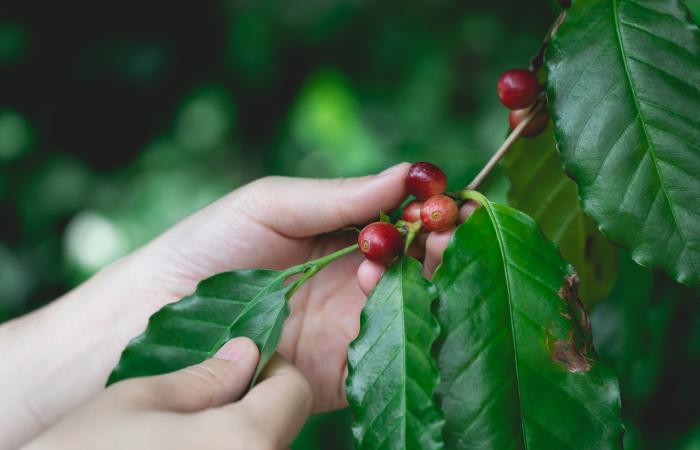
(402, 261)
(506, 272)
(643, 120)
(254, 301)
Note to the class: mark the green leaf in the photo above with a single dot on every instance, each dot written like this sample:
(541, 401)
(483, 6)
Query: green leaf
(392, 375)
(624, 90)
(516, 363)
(540, 188)
(248, 303)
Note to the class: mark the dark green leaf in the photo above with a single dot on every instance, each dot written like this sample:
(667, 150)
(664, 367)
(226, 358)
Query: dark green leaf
(392, 375)
(624, 89)
(516, 363)
(248, 303)
(540, 188)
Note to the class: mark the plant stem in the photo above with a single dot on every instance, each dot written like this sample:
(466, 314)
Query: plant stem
(505, 146)
(311, 268)
(468, 194)
(412, 231)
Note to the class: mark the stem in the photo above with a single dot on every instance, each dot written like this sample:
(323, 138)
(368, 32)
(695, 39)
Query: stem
(412, 231)
(504, 147)
(468, 194)
(538, 59)
(311, 268)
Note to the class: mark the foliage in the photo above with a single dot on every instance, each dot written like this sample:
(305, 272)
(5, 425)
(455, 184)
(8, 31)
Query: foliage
(391, 373)
(516, 358)
(624, 83)
(120, 129)
(539, 187)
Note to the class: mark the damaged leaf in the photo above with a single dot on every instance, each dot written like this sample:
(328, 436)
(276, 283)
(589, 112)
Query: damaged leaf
(517, 365)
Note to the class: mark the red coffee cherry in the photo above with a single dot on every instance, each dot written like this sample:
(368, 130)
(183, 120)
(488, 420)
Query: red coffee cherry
(411, 212)
(534, 127)
(424, 180)
(380, 242)
(439, 213)
(518, 88)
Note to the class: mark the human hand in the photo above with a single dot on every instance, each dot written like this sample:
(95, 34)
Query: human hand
(199, 406)
(273, 223)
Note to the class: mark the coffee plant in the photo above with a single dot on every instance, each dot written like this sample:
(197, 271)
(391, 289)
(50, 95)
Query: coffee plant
(495, 351)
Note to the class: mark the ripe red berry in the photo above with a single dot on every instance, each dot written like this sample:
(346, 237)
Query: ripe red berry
(536, 125)
(424, 180)
(380, 242)
(439, 213)
(518, 88)
(411, 212)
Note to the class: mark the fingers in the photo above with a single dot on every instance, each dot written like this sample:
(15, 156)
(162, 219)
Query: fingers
(434, 246)
(437, 242)
(306, 207)
(368, 275)
(279, 404)
(216, 381)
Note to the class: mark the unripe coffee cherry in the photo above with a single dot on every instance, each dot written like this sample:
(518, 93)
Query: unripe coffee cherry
(424, 180)
(518, 88)
(380, 242)
(411, 212)
(439, 213)
(534, 127)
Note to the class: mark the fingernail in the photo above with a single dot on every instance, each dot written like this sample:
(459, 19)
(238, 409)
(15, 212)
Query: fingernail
(391, 170)
(235, 350)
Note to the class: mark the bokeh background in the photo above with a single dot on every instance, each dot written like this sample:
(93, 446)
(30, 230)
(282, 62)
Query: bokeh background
(117, 119)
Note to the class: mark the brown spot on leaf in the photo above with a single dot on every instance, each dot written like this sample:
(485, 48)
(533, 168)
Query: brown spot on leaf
(567, 354)
(569, 293)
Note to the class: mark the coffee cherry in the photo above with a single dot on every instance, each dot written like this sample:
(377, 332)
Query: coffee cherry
(425, 179)
(439, 213)
(534, 127)
(380, 242)
(518, 88)
(411, 212)
(564, 3)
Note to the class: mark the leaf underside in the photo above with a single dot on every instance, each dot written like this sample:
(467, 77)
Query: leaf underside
(516, 363)
(540, 188)
(624, 89)
(391, 373)
(247, 303)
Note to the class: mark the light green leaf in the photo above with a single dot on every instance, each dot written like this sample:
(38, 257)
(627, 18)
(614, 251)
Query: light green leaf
(541, 189)
(624, 90)
(516, 362)
(392, 375)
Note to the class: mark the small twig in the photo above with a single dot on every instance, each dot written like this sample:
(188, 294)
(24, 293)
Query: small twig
(505, 146)
(538, 59)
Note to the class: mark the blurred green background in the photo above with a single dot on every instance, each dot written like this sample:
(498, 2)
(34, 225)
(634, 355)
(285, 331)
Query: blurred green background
(119, 119)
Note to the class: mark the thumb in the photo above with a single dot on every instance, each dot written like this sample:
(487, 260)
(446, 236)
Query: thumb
(217, 381)
(306, 206)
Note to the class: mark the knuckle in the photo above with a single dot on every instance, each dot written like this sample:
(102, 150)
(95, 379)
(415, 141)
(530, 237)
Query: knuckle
(205, 374)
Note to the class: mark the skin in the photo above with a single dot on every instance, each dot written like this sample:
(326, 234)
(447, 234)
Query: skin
(267, 223)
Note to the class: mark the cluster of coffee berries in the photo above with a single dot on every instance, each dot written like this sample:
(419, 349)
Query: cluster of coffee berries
(382, 242)
(518, 90)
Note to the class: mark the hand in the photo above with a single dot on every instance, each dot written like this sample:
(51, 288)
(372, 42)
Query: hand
(70, 346)
(192, 408)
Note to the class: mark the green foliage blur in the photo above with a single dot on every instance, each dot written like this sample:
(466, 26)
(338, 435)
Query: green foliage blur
(119, 119)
